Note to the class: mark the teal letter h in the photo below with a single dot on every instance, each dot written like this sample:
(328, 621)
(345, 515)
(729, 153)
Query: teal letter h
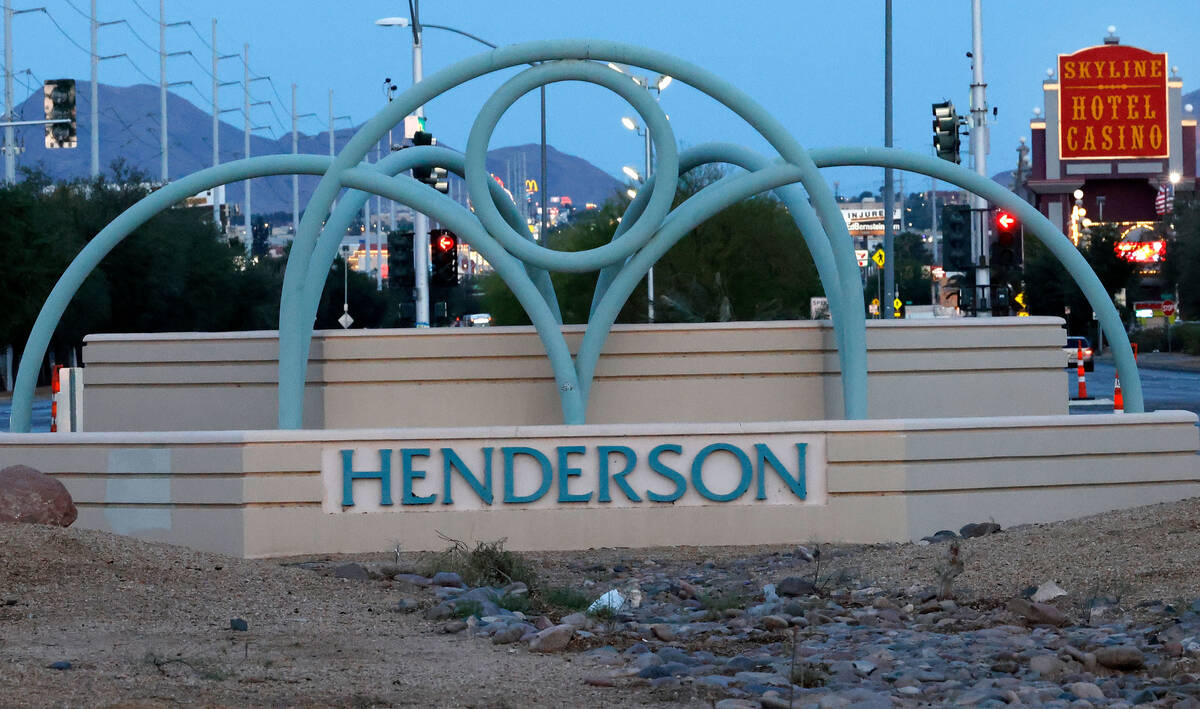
(349, 475)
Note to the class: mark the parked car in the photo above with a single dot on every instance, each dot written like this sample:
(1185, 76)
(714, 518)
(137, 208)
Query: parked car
(1071, 349)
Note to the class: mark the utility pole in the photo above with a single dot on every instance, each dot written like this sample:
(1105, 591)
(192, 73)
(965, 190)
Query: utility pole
(10, 141)
(219, 190)
(979, 151)
(162, 81)
(295, 151)
(650, 271)
(889, 197)
(246, 141)
(95, 108)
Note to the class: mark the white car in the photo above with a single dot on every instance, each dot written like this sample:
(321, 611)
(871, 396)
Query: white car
(1072, 351)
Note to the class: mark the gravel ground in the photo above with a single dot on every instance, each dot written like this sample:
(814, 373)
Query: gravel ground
(148, 625)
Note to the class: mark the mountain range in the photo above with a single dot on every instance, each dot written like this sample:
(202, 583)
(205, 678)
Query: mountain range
(129, 131)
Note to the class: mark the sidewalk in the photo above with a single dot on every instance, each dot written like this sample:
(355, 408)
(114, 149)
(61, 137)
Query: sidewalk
(1170, 361)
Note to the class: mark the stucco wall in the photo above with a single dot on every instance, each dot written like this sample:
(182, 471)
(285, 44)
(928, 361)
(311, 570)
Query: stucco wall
(260, 493)
(648, 373)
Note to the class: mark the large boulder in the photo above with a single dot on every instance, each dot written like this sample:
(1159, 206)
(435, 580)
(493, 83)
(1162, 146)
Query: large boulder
(27, 495)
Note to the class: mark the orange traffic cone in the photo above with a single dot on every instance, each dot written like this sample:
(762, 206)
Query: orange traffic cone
(1118, 400)
(1082, 379)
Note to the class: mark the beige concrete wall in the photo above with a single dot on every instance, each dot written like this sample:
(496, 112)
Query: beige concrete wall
(764, 371)
(260, 493)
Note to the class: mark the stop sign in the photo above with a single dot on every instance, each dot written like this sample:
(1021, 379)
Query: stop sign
(1168, 307)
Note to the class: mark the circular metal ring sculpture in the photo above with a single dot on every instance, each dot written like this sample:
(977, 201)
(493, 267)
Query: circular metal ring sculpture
(647, 231)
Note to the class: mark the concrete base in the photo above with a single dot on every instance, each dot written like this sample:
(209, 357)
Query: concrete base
(267, 493)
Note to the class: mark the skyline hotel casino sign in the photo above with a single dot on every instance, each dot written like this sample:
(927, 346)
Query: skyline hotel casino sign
(1112, 103)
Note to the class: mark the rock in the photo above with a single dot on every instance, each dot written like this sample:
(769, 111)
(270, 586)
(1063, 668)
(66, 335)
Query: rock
(942, 535)
(405, 605)
(441, 611)
(654, 672)
(454, 626)
(552, 639)
(1085, 690)
(735, 703)
(978, 529)
(1048, 591)
(353, 571)
(60, 665)
(509, 635)
(1120, 657)
(32, 497)
(1037, 613)
(774, 622)
(663, 632)
(1047, 666)
(795, 586)
(239, 625)
(599, 681)
(447, 578)
(577, 620)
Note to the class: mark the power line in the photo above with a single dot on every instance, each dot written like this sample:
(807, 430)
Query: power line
(64, 33)
(147, 14)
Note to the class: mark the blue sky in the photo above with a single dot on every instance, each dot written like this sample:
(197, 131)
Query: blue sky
(818, 66)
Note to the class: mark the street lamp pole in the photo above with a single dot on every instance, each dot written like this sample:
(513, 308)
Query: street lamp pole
(661, 83)
(420, 221)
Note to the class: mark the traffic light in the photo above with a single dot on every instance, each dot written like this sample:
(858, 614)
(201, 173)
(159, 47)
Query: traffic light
(945, 131)
(435, 177)
(956, 237)
(401, 273)
(445, 258)
(1006, 249)
(59, 103)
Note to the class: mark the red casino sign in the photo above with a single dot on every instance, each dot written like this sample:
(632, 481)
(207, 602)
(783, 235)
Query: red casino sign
(1112, 103)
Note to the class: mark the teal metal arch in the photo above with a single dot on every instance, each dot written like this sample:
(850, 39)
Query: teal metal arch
(648, 230)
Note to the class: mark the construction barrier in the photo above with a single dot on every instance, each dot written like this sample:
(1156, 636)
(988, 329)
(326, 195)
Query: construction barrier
(66, 407)
(1082, 379)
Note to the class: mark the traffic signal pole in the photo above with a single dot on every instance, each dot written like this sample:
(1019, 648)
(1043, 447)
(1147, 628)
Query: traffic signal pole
(889, 196)
(979, 151)
(10, 138)
(420, 221)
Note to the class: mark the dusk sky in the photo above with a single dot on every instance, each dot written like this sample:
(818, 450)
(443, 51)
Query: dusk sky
(818, 66)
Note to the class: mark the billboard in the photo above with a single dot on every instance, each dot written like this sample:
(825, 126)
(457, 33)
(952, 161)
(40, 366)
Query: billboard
(1112, 103)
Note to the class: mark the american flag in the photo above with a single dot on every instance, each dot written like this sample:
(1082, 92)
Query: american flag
(1165, 200)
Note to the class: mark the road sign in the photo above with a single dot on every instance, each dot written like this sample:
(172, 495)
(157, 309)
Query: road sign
(345, 321)
(878, 257)
(897, 304)
(1019, 299)
(873, 308)
(1168, 307)
(875, 302)
(863, 257)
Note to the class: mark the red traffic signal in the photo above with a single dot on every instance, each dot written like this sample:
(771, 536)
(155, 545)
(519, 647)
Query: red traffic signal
(445, 242)
(1006, 222)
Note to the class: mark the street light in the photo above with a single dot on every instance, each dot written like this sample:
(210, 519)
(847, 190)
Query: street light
(662, 82)
(422, 279)
(1175, 177)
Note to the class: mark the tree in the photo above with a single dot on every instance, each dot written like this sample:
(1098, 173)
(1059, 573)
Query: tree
(748, 262)
(912, 262)
(1183, 256)
(1050, 289)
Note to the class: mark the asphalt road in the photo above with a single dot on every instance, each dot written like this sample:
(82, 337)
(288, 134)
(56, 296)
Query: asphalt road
(1161, 389)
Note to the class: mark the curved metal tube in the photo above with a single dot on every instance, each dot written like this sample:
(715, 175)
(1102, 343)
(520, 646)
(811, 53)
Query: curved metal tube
(347, 209)
(90, 256)
(291, 348)
(511, 269)
(806, 220)
(1041, 227)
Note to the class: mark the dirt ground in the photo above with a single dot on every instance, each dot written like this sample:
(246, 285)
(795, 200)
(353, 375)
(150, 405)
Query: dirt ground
(148, 625)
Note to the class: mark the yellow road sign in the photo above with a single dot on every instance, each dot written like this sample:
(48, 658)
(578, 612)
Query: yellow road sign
(875, 302)
(878, 257)
(1020, 299)
(897, 304)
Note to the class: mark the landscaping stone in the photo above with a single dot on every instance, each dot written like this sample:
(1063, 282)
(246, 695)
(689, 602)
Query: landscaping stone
(29, 496)
(552, 639)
